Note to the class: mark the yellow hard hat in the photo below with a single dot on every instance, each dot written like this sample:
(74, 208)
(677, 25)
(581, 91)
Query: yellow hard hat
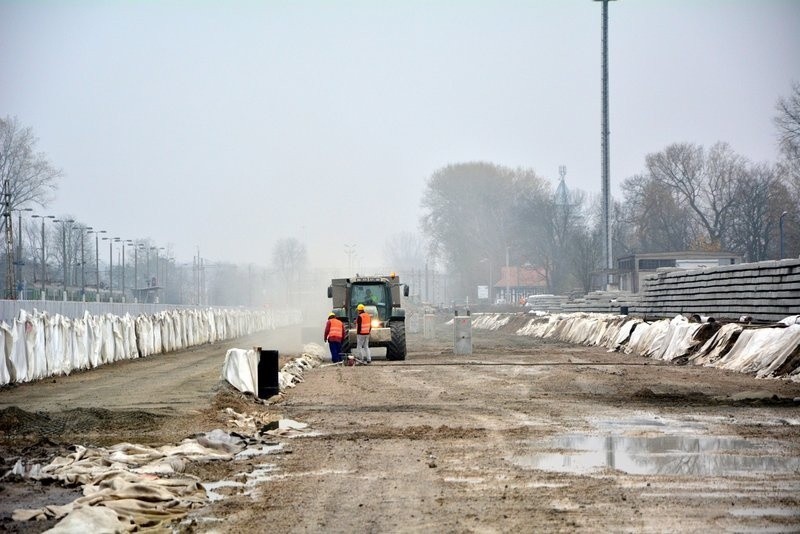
(360, 307)
(331, 314)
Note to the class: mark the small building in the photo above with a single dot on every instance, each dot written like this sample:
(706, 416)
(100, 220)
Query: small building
(521, 282)
(632, 269)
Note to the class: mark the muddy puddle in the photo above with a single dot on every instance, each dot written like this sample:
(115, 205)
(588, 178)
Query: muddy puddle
(657, 447)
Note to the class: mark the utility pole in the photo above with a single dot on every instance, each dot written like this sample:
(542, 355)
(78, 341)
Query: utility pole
(9, 237)
(605, 131)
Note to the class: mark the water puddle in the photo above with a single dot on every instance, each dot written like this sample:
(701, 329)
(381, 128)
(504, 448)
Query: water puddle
(663, 455)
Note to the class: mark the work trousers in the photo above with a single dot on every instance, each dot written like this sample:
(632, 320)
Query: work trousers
(336, 350)
(362, 344)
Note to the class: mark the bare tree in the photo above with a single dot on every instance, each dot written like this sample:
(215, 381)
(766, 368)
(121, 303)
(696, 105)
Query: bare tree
(29, 175)
(708, 184)
(289, 258)
(788, 124)
(471, 216)
(656, 217)
(755, 220)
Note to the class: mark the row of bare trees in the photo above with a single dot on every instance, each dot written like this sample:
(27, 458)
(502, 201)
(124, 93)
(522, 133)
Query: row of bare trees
(688, 197)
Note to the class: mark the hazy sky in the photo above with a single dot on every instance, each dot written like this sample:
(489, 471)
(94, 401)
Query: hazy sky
(229, 125)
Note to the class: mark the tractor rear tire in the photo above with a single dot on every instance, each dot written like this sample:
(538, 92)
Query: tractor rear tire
(396, 349)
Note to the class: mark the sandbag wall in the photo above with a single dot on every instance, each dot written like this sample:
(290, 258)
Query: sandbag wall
(38, 345)
(767, 290)
(766, 352)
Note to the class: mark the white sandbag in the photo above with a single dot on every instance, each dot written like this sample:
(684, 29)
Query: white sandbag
(107, 338)
(94, 330)
(35, 346)
(157, 346)
(144, 335)
(5, 345)
(80, 343)
(240, 369)
(761, 350)
(678, 340)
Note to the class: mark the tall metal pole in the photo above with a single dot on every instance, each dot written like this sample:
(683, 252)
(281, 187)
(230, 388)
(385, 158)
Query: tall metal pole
(605, 131)
(64, 252)
(122, 243)
(780, 228)
(83, 261)
(110, 270)
(44, 265)
(44, 268)
(9, 238)
(97, 263)
(97, 266)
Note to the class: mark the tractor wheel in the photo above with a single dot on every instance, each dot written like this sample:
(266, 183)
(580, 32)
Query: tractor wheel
(396, 349)
(346, 347)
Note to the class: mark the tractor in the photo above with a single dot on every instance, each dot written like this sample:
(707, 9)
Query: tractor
(380, 296)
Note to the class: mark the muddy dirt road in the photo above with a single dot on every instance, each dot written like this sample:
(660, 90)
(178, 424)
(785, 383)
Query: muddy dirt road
(523, 435)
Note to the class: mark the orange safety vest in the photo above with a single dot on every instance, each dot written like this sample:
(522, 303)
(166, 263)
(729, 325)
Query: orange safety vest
(336, 330)
(366, 323)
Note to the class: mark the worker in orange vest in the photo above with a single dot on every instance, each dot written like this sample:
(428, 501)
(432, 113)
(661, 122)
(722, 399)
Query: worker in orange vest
(334, 334)
(363, 328)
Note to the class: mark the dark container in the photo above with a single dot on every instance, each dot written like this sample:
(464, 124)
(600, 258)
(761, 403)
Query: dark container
(268, 384)
(623, 310)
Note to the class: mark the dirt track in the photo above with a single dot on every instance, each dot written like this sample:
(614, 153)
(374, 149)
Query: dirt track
(521, 436)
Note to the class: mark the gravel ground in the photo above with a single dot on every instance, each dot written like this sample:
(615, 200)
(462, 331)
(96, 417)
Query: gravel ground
(522, 435)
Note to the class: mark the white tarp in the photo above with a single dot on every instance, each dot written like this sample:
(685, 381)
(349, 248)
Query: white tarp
(38, 345)
(240, 368)
(763, 351)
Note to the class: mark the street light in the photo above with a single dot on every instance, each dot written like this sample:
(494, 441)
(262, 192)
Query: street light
(122, 242)
(131, 243)
(84, 229)
(64, 223)
(97, 262)
(19, 251)
(110, 266)
(780, 228)
(44, 264)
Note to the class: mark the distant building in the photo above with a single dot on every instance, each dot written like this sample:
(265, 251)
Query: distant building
(521, 282)
(631, 269)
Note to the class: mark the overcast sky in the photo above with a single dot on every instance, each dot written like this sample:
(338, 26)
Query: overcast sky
(229, 125)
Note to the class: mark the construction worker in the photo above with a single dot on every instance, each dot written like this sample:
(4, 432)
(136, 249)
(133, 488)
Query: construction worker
(363, 328)
(334, 334)
(369, 298)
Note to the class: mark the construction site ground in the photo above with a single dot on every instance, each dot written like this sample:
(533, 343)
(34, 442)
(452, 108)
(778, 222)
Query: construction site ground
(522, 435)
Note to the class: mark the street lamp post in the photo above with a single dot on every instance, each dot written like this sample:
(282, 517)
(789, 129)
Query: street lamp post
(132, 244)
(780, 231)
(20, 284)
(83, 261)
(64, 223)
(97, 262)
(44, 263)
(110, 267)
(122, 242)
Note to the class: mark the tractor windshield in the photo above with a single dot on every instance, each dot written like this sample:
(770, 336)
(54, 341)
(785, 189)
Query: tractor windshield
(371, 295)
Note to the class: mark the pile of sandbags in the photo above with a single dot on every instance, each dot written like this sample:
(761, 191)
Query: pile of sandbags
(765, 351)
(38, 345)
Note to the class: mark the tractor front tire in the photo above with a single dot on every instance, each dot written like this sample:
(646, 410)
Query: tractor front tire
(396, 349)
